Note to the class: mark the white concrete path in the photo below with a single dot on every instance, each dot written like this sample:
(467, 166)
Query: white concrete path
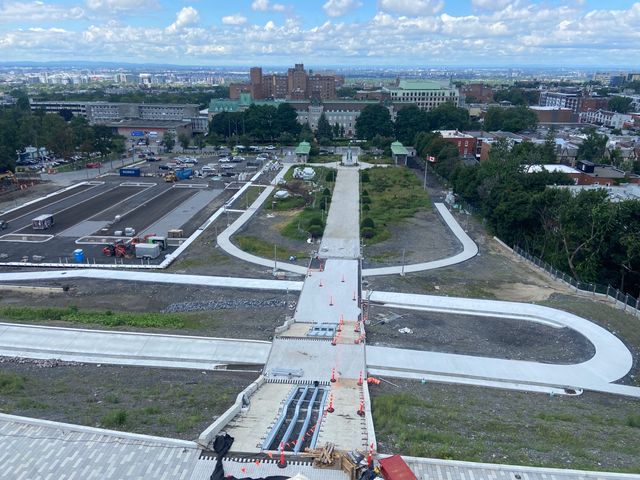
(170, 278)
(612, 359)
(127, 348)
(224, 238)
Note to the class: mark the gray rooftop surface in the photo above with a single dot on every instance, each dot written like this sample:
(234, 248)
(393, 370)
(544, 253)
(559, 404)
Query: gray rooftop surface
(37, 449)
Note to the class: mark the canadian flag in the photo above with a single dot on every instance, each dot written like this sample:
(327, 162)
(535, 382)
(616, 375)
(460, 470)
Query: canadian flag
(431, 159)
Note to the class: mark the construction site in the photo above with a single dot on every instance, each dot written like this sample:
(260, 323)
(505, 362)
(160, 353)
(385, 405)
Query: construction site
(309, 411)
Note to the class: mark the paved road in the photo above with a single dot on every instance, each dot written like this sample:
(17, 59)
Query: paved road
(172, 278)
(127, 348)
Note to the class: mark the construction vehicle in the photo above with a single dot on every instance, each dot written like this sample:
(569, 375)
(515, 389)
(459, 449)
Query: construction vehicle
(119, 249)
(170, 177)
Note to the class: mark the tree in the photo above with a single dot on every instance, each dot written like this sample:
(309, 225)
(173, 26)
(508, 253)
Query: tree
(260, 122)
(346, 92)
(593, 147)
(374, 120)
(306, 135)
(168, 141)
(620, 104)
(286, 119)
(324, 132)
(513, 119)
(66, 114)
(409, 122)
(447, 116)
(200, 141)
(102, 139)
(184, 140)
(57, 135)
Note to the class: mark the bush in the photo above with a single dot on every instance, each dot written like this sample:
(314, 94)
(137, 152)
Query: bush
(364, 177)
(330, 176)
(367, 223)
(115, 418)
(316, 230)
(315, 221)
(11, 383)
(368, 232)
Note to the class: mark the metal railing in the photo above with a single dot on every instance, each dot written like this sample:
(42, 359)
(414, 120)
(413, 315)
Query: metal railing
(622, 300)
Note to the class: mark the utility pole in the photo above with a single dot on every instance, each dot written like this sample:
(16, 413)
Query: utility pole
(275, 259)
(424, 183)
(402, 271)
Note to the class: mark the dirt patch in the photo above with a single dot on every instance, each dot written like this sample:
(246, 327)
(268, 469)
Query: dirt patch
(424, 237)
(473, 335)
(152, 401)
(593, 431)
(254, 315)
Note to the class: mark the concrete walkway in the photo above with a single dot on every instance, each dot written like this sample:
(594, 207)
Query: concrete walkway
(611, 361)
(169, 278)
(224, 238)
(128, 348)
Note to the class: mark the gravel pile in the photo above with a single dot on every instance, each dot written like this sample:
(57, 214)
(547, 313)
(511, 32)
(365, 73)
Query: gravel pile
(223, 304)
(49, 363)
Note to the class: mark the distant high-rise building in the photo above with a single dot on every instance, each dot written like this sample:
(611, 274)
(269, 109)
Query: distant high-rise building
(255, 79)
(297, 82)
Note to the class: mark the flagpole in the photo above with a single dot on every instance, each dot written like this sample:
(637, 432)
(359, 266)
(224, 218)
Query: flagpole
(424, 183)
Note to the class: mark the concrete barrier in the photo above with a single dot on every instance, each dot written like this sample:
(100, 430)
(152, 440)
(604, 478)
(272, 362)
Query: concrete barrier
(216, 427)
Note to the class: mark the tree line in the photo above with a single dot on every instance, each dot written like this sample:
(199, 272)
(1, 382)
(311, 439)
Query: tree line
(20, 128)
(375, 121)
(584, 234)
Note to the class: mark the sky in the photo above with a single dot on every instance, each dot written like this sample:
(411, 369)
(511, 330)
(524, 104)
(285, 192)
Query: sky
(419, 33)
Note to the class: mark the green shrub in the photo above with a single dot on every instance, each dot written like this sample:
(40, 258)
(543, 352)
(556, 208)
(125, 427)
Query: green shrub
(368, 223)
(316, 231)
(11, 383)
(368, 232)
(114, 419)
(633, 420)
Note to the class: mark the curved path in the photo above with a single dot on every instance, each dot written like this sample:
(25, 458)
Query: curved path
(469, 248)
(611, 361)
(128, 348)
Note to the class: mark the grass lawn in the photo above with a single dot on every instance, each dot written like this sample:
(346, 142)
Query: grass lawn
(262, 248)
(106, 318)
(376, 159)
(593, 431)
(388, 196)
(311, 210)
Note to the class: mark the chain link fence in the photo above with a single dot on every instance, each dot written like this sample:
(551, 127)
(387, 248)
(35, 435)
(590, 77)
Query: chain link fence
(620, 299)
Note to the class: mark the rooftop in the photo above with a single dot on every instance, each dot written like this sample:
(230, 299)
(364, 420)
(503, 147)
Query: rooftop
(411, 84)
(303, 148)
(398, 149)
(453, 134)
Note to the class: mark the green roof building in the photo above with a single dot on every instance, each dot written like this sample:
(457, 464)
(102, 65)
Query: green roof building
(399, 153)
(302, 151)
(426, 94)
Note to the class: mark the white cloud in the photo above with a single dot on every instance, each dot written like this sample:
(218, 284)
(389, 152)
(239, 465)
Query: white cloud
(260, 5)
(236, 19)
(338, 8)
(119, 6)
(278, 7)
(37, 12)
(186, 16)
(411, 7)
(520, 33)
(491, 4)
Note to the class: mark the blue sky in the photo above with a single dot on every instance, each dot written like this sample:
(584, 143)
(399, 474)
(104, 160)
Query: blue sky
(329, 32)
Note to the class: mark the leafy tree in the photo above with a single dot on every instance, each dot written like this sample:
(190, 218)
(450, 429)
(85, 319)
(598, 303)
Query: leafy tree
(346, 92)
(409, 122)
(593, 147)
(324, 132)
(306, 135)
(620, 104)
(200, 141)
(168, 141)
(259, 122)
(184, 140)
(374, 120)
(513, 119)
(447, 116)
(286, 119)
(517, 96)
(66, 114)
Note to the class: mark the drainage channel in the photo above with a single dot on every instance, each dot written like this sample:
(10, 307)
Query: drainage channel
(294, 429)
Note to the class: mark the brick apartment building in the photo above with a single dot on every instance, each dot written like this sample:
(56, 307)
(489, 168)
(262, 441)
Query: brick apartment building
(296, 84)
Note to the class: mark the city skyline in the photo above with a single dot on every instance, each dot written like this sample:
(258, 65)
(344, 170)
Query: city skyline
(324, 32)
